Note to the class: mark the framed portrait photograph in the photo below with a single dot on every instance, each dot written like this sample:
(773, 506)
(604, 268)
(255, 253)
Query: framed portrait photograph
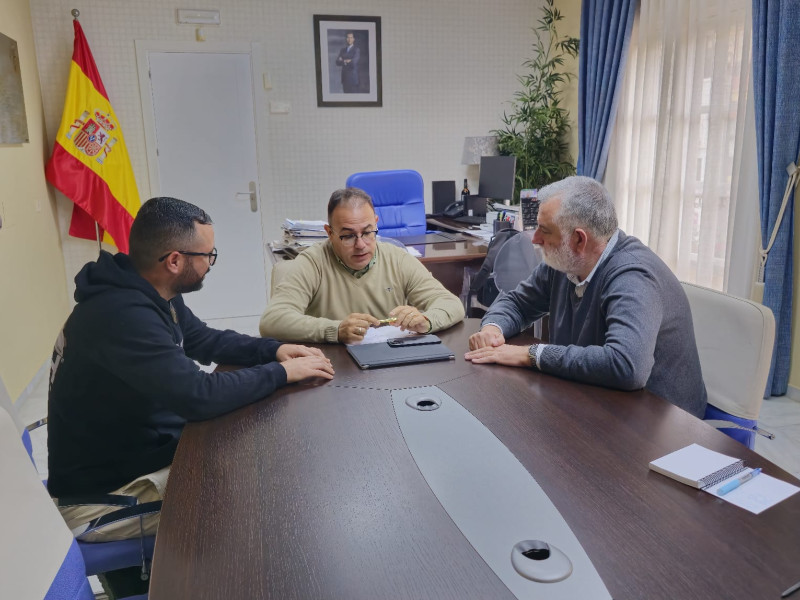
(348, 57)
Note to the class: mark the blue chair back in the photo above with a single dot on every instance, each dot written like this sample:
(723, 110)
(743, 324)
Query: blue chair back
(71, 583)
(399, 200)
(744, 436)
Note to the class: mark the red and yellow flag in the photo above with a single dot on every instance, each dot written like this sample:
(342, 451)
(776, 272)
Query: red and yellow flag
(90, 164)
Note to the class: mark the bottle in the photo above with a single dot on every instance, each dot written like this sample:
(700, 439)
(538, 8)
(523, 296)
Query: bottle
(465, 192)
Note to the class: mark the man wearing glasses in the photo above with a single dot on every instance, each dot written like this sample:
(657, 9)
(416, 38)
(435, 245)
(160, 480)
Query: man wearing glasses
(340, 288)
(124, 380)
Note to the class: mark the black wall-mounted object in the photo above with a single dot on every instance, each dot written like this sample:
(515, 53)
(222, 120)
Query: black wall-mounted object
(444, 194)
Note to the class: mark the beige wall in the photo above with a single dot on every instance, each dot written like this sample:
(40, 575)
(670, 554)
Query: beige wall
(33, 295)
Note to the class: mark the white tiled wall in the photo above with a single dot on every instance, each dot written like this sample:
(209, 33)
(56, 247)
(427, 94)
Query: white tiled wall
(449, 68)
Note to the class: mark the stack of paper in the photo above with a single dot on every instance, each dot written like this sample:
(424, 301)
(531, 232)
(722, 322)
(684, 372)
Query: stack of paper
(303, 233)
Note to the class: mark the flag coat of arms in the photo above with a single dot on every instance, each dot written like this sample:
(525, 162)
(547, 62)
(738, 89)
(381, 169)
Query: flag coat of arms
(90, 163)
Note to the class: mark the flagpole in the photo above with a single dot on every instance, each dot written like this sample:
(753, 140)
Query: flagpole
(75, 14)
(97, 233)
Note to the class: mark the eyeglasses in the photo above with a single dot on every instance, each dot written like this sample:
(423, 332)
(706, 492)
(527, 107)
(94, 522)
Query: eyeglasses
(350, 238)
(212, 256)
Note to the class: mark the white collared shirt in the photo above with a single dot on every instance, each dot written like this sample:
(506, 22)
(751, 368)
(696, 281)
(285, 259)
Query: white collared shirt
(580, 286)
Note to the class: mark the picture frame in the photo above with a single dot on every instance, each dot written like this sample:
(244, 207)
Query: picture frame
(13, 120)
(348, 60)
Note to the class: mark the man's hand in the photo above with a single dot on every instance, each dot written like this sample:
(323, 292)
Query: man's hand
(410, 318)
(513, 356)
(287, 351)
(355, 326)
(488, 336)
(304, 367)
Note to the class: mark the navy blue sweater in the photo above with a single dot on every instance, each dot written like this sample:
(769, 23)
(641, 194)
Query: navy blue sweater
(124, 381)
(632, 328)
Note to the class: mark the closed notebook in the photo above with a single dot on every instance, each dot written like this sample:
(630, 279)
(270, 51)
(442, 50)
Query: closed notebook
(370, 356)
(697, 466)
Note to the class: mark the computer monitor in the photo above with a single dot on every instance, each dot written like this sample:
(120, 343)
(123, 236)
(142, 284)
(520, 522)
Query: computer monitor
(496, 180)
(444, 194)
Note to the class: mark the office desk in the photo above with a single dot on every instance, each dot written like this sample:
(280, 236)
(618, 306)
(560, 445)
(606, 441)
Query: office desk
(445, 260)
(314, 494)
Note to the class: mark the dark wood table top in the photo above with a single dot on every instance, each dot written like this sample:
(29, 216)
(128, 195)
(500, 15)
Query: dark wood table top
(313, 493)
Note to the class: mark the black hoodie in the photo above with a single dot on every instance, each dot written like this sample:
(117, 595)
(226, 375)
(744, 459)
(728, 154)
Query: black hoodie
(124, 382)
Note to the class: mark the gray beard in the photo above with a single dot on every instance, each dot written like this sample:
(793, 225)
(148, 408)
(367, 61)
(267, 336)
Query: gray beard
(562, 259)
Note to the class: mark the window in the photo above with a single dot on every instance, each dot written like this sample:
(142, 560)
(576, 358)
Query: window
(676, 148)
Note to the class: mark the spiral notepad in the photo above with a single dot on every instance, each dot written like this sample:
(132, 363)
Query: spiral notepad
(697, 466)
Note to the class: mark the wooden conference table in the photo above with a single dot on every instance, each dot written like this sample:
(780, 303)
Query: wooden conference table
(313, 494)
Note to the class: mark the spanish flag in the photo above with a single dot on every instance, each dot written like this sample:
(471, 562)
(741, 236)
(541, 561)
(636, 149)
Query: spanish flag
(90, 163)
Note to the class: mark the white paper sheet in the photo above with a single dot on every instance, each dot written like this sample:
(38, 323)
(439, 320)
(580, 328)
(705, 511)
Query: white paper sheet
(758, 494)
(375, 335)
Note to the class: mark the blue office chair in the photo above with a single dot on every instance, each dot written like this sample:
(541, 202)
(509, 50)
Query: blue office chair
(399, 200)
(734, 340)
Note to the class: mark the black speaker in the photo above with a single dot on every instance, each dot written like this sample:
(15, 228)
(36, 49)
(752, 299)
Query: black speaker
(444, 194)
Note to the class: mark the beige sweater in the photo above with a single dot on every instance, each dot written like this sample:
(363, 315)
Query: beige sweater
(318, 293)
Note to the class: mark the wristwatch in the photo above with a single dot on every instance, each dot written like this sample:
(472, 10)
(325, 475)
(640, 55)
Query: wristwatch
(532, 356)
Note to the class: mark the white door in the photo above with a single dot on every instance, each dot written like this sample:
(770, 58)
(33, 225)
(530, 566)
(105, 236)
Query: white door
(202, 149)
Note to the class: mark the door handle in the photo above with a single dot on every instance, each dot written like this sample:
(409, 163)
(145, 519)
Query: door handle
(252, 194)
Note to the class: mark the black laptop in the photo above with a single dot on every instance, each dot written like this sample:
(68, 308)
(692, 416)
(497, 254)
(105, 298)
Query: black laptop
(403, 351)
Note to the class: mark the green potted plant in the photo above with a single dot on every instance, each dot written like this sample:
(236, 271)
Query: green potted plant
(536, 128)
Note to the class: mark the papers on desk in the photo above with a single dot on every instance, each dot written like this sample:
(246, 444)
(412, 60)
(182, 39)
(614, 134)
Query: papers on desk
(705, 469)
(297, 232)
(299, 225)
(485, 235)
(758, 494)
(413, 251)
(376, 335)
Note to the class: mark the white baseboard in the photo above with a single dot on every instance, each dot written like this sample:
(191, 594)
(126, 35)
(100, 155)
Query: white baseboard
(793, 393)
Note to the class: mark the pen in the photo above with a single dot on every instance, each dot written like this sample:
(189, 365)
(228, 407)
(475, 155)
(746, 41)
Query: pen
(386, 321)
(732, 485)
(791, 590)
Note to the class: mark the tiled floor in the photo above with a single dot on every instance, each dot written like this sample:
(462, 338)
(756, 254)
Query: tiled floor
(779, 415)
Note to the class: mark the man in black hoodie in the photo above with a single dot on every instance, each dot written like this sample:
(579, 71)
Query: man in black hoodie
(123, 382)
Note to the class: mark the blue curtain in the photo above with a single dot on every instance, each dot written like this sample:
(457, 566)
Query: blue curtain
(776, 83)
(605, 33)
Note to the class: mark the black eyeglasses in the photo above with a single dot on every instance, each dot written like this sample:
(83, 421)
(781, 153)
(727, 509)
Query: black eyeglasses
(212, 256)
(350, 238)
